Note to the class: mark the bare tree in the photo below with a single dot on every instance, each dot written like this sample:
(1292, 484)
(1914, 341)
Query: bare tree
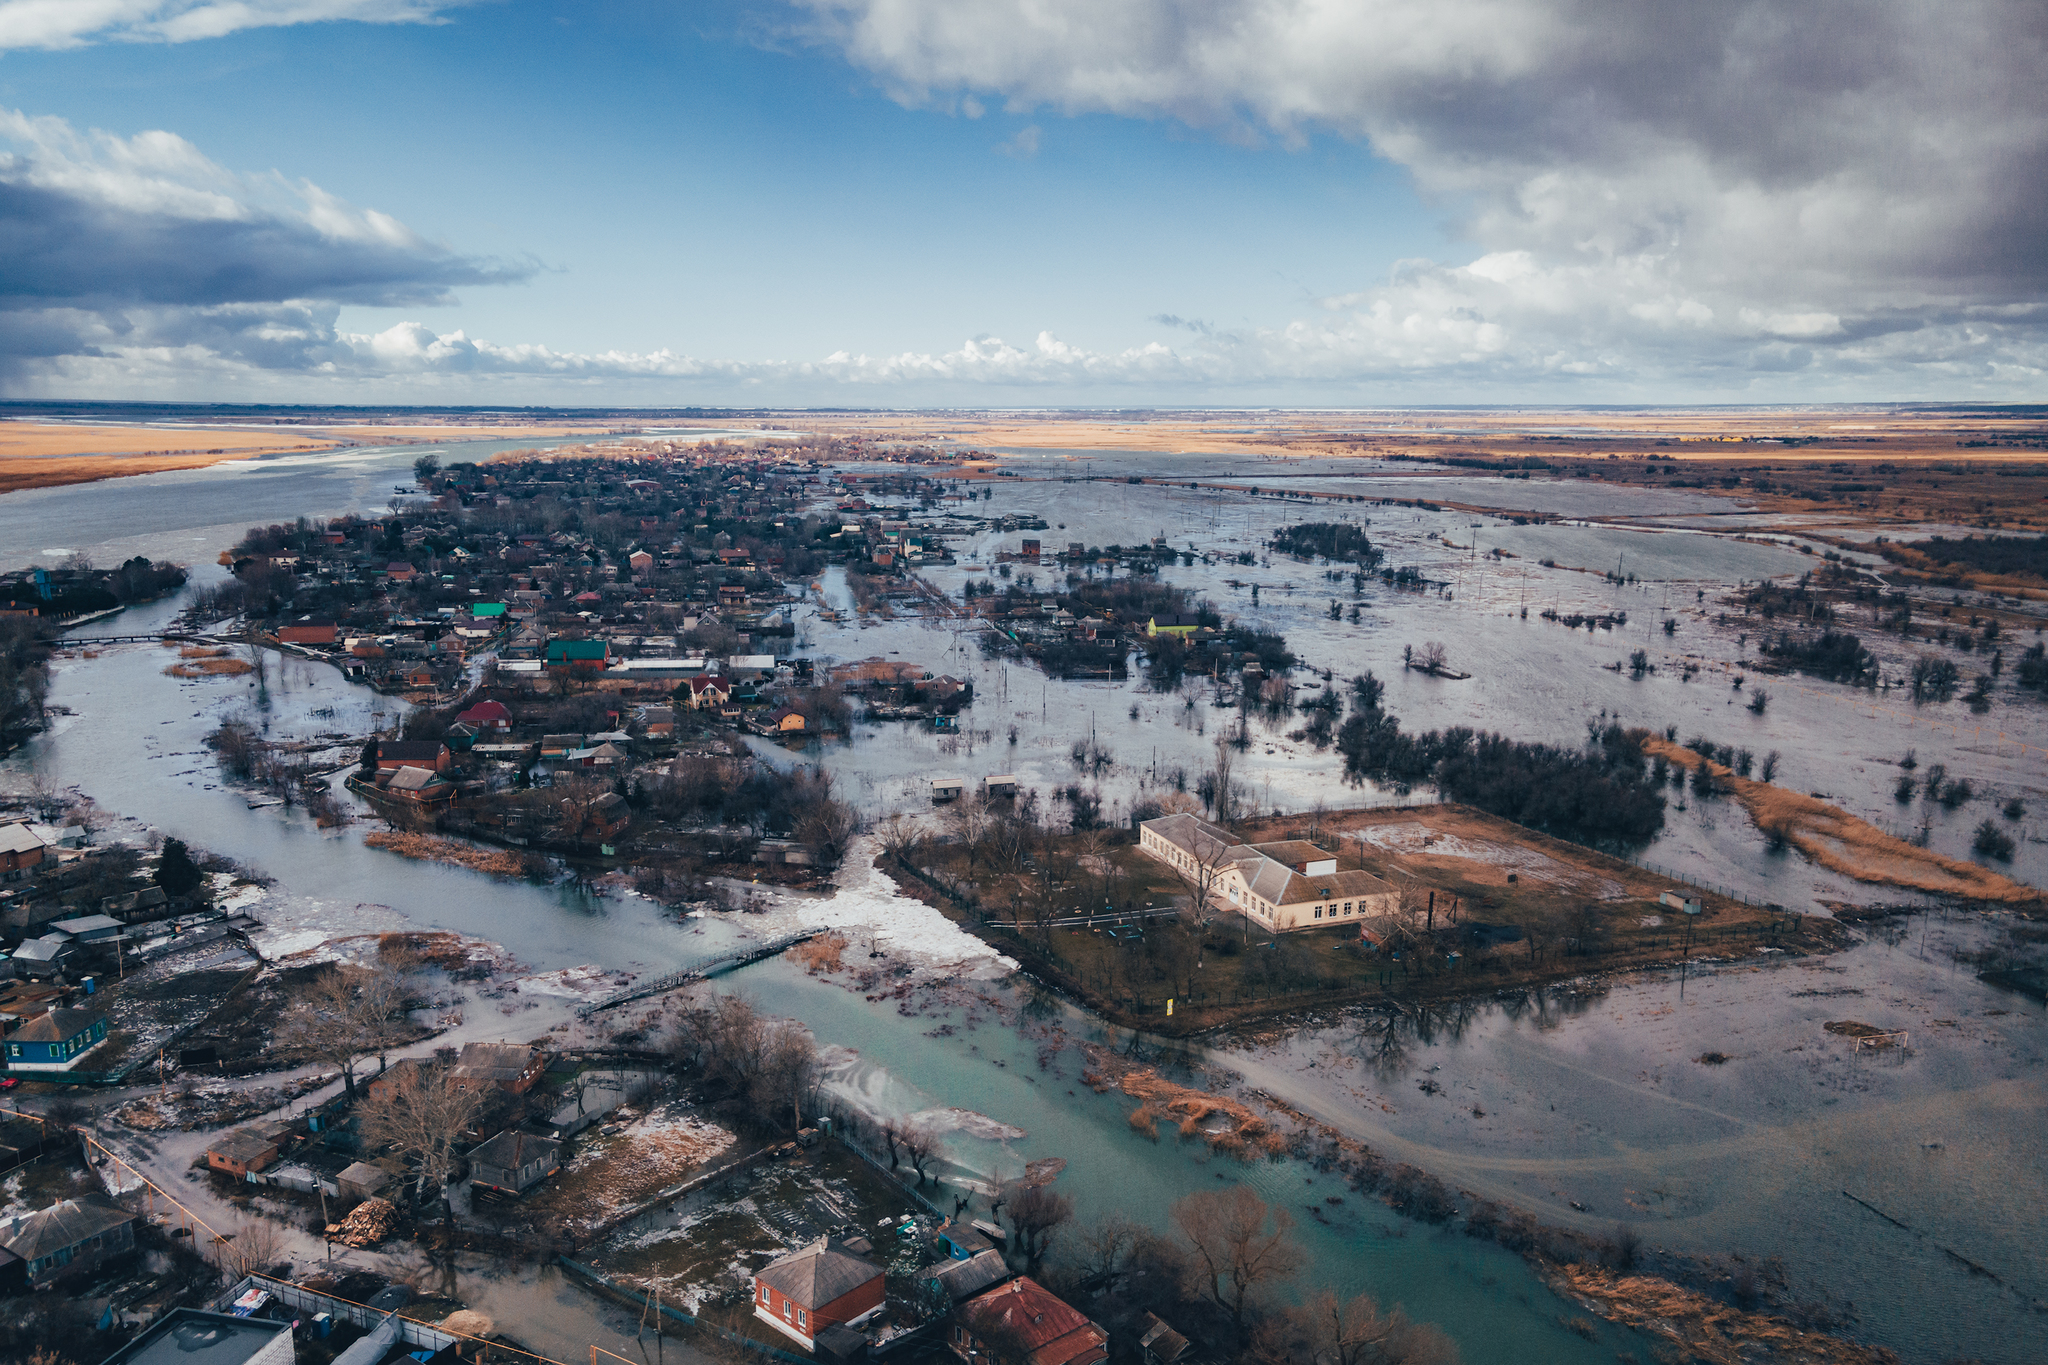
(1225, 797)
(1239, 1243)
(1036, 1217)
(920, 1145)
(254, 1247)
(342, 1017)
(1106, 1248)
(1358, 1331)
(1200, 868)
(420, 1115)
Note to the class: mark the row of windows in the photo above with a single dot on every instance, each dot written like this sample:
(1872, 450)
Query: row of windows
(802, 1318)
(1333, 910)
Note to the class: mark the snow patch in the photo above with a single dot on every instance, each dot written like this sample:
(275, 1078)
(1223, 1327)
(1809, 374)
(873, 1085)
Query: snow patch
(956, 1120)
(869, 898)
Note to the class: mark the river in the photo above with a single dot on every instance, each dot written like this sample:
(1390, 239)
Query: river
(1600, 1102)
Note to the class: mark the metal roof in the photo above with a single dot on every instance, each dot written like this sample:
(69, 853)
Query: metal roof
(818, 1274)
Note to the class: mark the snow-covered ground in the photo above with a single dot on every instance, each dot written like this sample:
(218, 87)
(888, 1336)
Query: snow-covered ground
(868, 898)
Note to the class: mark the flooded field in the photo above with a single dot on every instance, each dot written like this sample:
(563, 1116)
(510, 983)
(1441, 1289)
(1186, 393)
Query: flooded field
(1588, 1106)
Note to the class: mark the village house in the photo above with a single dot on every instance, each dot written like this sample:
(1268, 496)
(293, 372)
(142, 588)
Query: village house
(240, 1152)
(711, 690)
(1283, 886)
(783, 720)
(307, 630)
(398, 571)
(660, 721)
(511, 1067)
(487, 717)
(22, 850)
(582, 655)
(821, 1286)
(513, 1163)
(420, 786)
(1183, 624)
(55, 1041)
(39, 959)
(1025, 1316)
(70, 1238)
(430, 754)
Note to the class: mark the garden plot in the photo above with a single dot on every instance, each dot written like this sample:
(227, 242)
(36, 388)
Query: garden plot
(701, 1250)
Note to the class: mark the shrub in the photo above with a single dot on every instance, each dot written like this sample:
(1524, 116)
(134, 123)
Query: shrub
(1993, 842)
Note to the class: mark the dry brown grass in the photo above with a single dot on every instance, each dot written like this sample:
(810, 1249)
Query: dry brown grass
(425, 848)
(211, 667)
(1709, 1329)
(1853, 847)
(1249, 1135)
(819, 954)
(201, 652)
(45, 455)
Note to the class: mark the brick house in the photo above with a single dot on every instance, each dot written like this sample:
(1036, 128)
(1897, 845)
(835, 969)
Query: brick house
(820, 1286)
(307, 631)
(241, 1152)
(430, 754)
(1025, 1317)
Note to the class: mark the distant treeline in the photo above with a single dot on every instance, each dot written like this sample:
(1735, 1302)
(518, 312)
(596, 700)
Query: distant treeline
(1598, 795)
(1330, 539)
(1984, 554)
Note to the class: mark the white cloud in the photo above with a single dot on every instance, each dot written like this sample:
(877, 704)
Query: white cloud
(76, 23)
(1657, 191)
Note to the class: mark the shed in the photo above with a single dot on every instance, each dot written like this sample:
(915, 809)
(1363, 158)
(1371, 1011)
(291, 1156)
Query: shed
(946, 789)
(240, 1152)
(360, 1180)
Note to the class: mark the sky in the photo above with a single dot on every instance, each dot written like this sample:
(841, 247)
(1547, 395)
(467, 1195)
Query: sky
(1023, 203)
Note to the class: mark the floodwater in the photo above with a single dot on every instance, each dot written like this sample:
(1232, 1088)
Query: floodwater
(1532, 679)
(1748, 1156)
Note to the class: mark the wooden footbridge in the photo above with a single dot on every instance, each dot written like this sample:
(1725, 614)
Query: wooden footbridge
(710, 967)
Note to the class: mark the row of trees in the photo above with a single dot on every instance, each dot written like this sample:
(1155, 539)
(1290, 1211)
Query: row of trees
(1599, 794)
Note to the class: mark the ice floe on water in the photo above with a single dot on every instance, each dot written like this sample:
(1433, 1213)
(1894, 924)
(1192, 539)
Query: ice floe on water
(966, 1121)
(869, 898)
(587, 982)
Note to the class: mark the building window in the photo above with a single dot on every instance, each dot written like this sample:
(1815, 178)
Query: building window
(764, 1293)
(1347, 907)
(1319, 912)
(800, 1318)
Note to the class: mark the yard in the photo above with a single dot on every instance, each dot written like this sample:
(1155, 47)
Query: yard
(699, 1252)
(1486, 905)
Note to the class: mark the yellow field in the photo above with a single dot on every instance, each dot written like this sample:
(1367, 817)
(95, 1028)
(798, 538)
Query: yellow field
(47, 454)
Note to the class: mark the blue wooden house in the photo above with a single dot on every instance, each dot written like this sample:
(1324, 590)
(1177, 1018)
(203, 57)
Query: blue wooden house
(55, 1041)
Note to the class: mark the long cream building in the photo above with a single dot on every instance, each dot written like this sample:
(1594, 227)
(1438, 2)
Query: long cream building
(1283, 886)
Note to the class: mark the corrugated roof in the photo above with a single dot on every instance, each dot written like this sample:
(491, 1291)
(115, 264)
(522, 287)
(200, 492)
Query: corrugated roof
(19, 838)
(818, 1274)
